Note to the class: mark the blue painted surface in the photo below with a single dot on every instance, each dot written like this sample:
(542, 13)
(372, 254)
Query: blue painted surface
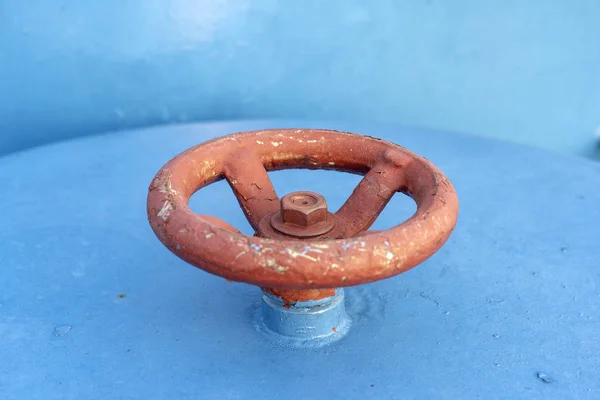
(524, 71)
(92, 306)
(304, 324)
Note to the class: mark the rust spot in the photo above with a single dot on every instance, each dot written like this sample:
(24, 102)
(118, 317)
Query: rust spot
(292, 296)
(334, 329)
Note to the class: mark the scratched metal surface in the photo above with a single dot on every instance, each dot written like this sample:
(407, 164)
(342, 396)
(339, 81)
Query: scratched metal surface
(93, 306)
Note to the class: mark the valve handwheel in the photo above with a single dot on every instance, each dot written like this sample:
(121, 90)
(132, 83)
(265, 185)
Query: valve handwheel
(302, 251)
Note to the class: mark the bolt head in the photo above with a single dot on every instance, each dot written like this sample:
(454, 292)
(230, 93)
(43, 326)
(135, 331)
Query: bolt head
(303, 209)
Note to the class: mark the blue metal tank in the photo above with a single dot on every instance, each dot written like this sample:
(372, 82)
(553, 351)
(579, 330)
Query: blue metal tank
(524, 71)
(93, 306)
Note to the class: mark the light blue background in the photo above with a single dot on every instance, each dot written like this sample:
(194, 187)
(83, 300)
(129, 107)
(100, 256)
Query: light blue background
(523, 70)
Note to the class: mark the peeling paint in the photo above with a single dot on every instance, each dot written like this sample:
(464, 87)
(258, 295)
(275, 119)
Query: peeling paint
(165, 211)
(295, 254)
(347, 245)
(256, 247)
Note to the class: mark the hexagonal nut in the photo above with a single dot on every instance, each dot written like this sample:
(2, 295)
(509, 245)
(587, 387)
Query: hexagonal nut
(303, 208)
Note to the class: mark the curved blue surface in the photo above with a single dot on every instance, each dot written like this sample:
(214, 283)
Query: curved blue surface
(524, 71)
(93, 306)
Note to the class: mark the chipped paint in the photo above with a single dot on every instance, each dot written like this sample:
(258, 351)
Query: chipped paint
(347, 245)
(257, 248)
(272, 263)
(295, 254)
(165, 211)
(208, 169)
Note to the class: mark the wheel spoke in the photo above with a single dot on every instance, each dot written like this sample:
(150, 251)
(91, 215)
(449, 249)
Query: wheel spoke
(370, 197)
(251, 185)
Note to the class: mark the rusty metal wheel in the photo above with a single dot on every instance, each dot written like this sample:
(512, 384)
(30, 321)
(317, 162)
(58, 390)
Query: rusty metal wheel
(301, 250)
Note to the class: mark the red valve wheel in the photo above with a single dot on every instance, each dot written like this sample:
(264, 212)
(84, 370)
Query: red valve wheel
(334, 251)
